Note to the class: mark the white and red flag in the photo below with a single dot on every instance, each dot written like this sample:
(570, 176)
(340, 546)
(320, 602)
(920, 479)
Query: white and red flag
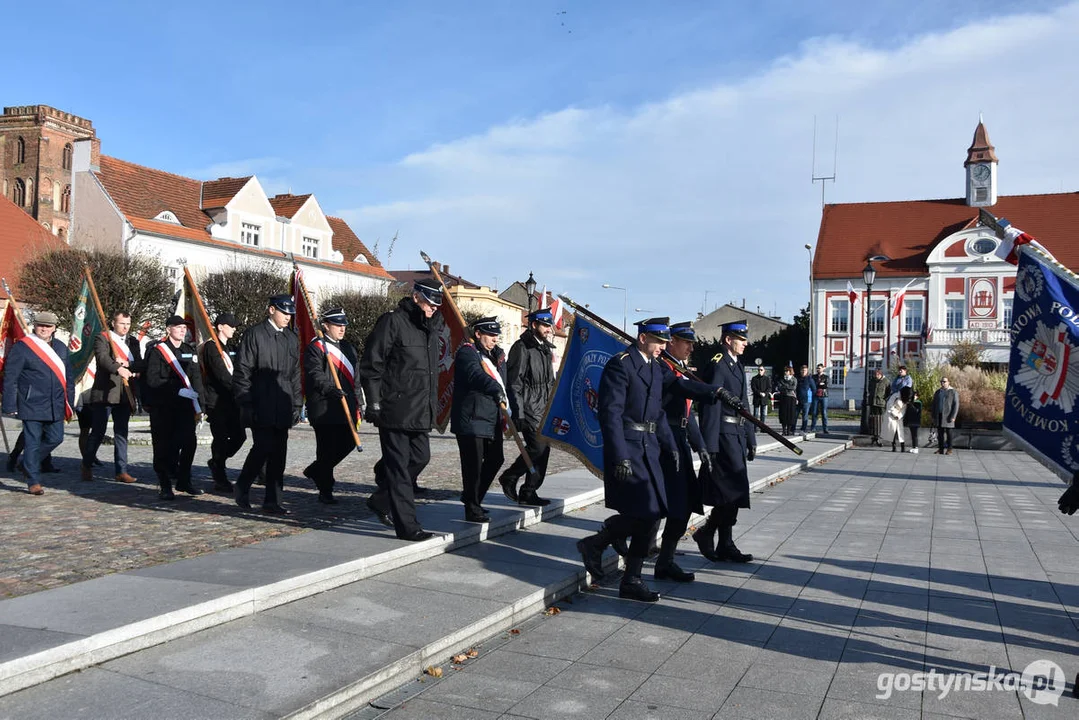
(897, 308)
(851, 293)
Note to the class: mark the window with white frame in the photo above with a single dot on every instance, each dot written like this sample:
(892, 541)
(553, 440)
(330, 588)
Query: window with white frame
(839, 313)
(250, 233)
(876, 316)
(838, 372)
(954, 310)
(874, 364)
(1007, 303)
(913, 311)
(309, 246)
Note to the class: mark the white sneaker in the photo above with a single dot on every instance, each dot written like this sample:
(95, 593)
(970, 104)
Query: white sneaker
(914, 450)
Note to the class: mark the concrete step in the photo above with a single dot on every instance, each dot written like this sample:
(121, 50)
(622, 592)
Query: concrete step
(497, 574)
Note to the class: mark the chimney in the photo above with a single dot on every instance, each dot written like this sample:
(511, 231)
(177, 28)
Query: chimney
(446, 269)
(743, 303)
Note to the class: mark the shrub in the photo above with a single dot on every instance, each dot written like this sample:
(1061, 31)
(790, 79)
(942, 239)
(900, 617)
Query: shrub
(362, 311)
(243, 291)
(965, 353)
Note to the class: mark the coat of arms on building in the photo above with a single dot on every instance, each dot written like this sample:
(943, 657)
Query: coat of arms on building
(1050, 367)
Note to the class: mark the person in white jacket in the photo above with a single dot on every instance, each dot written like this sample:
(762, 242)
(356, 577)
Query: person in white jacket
(893, 418)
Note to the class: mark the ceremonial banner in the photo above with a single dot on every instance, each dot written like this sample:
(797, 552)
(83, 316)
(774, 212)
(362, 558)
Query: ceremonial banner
(11, 332)
(88, 325)
(450, 340)
(1043, 378)
(572, 418)
(303, 320)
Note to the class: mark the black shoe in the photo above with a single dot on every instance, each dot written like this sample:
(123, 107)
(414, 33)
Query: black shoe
(705, 538)
(243, 501)
(381, 516)
(96, 463)
(309, 473)
(632, 587)
(894, 448)
(48, 467)
(327, 498)
(274, 510)
(591, 549)
(671, 571)
(11, 460)
(224, 488)
(417, 536)
(477, 517)
(727, 550)
(509, 487)
(419, 490)
(529, 497)
(188, 489)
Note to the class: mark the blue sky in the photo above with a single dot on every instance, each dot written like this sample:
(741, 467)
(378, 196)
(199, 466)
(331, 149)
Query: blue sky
(662, 146)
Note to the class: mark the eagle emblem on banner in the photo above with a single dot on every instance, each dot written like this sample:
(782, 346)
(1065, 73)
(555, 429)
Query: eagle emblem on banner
(1049, 370)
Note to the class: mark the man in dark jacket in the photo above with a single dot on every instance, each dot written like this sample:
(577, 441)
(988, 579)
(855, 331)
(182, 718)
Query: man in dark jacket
(878, 399)
(806, 386)
(631, 420)
(39, 388)
(531, 377)
(945, 410)
(731, 442)
(332, 424)
(479, 388)
(819, 403)
(220, 406)
(119, 362)
(761, 387)
(266, 385)
(175, 382)
(399, 373)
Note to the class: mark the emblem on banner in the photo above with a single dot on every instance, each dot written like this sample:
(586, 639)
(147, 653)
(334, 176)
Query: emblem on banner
(1047, 363)
(585, 399)
(583, 333)
(1069, 451)
(1029, 283)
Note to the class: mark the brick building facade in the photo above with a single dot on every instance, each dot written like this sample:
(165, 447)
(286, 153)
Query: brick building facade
(36, 154)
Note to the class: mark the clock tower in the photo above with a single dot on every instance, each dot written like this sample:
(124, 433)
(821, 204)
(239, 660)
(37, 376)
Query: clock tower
(981, 168)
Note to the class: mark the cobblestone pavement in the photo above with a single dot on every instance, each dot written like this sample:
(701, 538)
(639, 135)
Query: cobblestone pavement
(81, 530)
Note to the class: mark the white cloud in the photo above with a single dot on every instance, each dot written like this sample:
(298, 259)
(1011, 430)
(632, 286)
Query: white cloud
(710, 189)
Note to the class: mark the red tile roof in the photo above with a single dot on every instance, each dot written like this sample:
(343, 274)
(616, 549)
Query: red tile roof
(908, 231)
(217, 193)
(981, 150)
(21, 237)
(407, 278)
(287, 205)
(142, 193)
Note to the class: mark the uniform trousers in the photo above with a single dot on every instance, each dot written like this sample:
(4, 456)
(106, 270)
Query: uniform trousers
(99, 422)
(640, 531)
(725, 515)
(172, 430)
(333, 443)
(228, 433)
(539, 451)
(481, 459)
(269, 449)
(405, 453)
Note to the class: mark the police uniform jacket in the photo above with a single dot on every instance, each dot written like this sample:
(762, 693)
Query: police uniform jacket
(476, 395)
(399, 367)
(216, 393)
(163, 382)
(108, 386)
(323, 404)
(682, 485)
(266, 379)
(631, 396)
(32, 389)
(727, 435)
(531, 375)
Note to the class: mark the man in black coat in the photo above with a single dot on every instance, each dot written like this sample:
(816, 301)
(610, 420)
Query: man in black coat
(761, 386)
(399, 373)
(333, 426)
(479, 388)
(631, 420)
(220, 406)
(175, 382)
(531, 377)
(266, 385)
(731, 442)
(119, 362)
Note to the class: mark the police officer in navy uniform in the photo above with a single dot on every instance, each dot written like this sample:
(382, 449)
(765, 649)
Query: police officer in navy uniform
(634, 433)
(731, 442)
(226, 427)
(333, 435)
(479, 387)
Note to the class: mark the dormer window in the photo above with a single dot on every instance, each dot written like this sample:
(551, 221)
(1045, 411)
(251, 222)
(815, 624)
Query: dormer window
(250, 233)
(309, 246)
(167, 216)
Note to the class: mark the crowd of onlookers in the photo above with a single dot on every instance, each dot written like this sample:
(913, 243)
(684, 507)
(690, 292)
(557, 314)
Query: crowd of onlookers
(895, 409)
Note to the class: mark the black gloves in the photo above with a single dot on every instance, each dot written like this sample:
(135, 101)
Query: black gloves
(729, 399)
(751, 452)
(1069, 501)
(335, 393)
(706, 460)
(622, 471)
(372, 413)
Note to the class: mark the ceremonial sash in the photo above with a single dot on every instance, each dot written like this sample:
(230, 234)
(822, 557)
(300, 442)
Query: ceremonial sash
(339, 360)
(120, 348)
(678, 374)
(47, 355)
(170, 358)
(227, 359)
(490, 369)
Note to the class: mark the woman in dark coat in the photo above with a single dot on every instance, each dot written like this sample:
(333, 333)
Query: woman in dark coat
(787, 387)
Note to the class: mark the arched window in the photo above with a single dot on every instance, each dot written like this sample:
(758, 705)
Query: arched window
(30, 192)
(65, 199)
(19, 196)
(66, 161)
(20, 150)
(56, 190)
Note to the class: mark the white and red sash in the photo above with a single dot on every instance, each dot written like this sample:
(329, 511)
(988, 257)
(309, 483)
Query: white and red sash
(342, 363)
(120, 348)
(47, 355)
(490, 369)
(170, 358)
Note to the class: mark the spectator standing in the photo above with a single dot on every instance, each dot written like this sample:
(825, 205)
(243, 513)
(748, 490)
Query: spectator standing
(902, 380)
(878, 398)
(945, 409)
(819, 404)
(761, 388)
(787, 388)
(806, 386)
(912, 419)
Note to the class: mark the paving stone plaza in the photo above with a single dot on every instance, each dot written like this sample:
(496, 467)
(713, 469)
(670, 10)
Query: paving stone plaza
(873, 572)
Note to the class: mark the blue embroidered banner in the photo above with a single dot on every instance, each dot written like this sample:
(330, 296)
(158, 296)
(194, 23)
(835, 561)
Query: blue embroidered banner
(572, 418)
(1043, 378)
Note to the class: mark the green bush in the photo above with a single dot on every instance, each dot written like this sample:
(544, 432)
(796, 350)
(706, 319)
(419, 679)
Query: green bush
(243, 291)
(362, 311)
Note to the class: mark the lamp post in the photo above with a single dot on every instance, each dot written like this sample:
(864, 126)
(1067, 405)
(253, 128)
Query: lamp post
(530, 288)
(625, 301)
(812, 318)
(869, 274)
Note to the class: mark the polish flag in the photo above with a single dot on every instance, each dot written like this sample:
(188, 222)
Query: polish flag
(898, 308)
(851, 293)
(1013, 239)
(556, 311)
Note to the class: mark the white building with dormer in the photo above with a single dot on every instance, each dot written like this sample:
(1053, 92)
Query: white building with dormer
(956, 289)
(215, 224)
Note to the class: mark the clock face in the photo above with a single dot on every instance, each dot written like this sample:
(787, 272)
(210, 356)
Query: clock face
(981, 173)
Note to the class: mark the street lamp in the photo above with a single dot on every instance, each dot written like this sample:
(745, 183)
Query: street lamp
(869, 274)
(625, 301)
(812, 319)
(642, 310)
(530, 288)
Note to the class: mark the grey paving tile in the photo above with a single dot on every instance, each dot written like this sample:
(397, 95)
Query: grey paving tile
(419, 708)
(988, 705)
(632, 710)
(548, 703)
(566, 638)
(473, 577)
(22, 641)
(600, 680)
(685, 692)
(511, 665)
(628, 655)
(862, 682)
(790, 678)
(746, 702)
(710, 658)
(242, 567)
(836, 709)
(480, 692)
